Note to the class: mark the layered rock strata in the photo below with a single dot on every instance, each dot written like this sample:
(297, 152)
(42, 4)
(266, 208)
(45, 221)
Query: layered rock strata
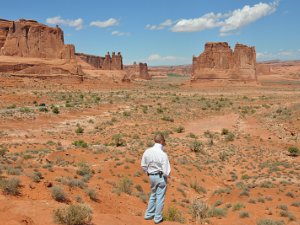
(28, 47)
(218, 61)
(114, 62)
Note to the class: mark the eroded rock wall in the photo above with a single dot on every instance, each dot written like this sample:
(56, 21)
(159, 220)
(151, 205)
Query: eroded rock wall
(218, 61)
(28, 38)
(114, 62)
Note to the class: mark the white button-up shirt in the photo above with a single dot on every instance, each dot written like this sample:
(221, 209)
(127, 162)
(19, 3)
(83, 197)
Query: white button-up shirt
(155, 160)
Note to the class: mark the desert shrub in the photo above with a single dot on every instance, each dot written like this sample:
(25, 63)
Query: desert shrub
(125, 186)
(58, 194)
(179, 129)
(80, 144)
(296, 204)
(269, 222)
(74, 183)
(198, 188)
(244, 214)
(167, 118)
(118, 140)
(78, 214)
(199, 210)
(14, 171)
(3, 151)
(84, 170)
(173, 214)
(92, 194)
(55, 110)
(238, 206)
(217, 212)
(196, 146)
(293, 151)
(10, 186)
(36, 176)
(224, 131)
(79, 130)
(229, 137)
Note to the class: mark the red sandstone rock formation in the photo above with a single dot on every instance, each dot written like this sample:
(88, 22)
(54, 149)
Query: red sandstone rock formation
(28, 38)
(218, 61)
(114, 62)
(28, 47)
(138, 71)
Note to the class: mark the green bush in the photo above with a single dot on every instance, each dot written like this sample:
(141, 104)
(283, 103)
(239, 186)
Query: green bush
(118, 140)
(3, 151)
(10, 186)
(79, 130)
(84, 170)
(78, 214)
(125, 186)
(229, 137)
(196, 146)
(224, 131)
(179, 129)
(80, 144)
(55, 110)
(269, 222)
(92, 194)
(58, 194)
(173, 214)
(294, 151)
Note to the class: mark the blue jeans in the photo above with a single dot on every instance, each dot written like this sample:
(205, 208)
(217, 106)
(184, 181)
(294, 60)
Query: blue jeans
(157, 197)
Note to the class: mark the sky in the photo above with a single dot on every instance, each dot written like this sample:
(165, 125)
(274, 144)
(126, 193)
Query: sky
(168, 32)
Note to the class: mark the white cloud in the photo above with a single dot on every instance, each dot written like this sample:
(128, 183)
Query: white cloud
(242, 17)
(57, 20)
(207, 21)
(157, 57)
(118, 33)
(228, 22)
(107, 23)
(161, 26)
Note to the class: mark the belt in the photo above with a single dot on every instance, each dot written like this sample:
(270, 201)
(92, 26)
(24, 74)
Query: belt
(158, 173)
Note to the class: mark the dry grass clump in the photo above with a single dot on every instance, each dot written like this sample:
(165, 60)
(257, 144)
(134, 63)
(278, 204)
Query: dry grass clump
(78, 214)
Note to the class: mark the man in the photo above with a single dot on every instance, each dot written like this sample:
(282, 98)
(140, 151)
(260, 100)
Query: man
(156, 164)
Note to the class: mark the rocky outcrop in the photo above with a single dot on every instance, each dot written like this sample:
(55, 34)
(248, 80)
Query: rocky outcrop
(28, 38)
(218, 61)
(114, 62)
(30, 48)
(138, 71)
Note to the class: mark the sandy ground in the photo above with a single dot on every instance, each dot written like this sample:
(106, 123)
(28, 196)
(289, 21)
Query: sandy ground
(242, 170)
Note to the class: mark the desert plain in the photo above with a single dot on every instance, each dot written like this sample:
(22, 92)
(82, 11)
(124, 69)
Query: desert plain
(68, 143)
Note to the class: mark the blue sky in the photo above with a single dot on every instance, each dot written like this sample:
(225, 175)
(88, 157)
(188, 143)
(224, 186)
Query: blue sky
(168, 32)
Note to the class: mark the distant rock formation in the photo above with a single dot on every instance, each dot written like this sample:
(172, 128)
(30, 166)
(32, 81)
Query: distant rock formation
(138, 71)
(31, 48)
(218, 61)
(263, 69)
(28, 38)
(114, 62)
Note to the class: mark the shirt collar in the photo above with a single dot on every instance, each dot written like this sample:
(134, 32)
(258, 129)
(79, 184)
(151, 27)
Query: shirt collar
(158, 145)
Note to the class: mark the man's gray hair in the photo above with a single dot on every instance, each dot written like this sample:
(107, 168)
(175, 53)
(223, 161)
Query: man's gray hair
(158, 138)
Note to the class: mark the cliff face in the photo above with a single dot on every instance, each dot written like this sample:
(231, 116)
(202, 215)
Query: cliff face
(30, 48)
(114, 62)
(218, 61)
(28, 38)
